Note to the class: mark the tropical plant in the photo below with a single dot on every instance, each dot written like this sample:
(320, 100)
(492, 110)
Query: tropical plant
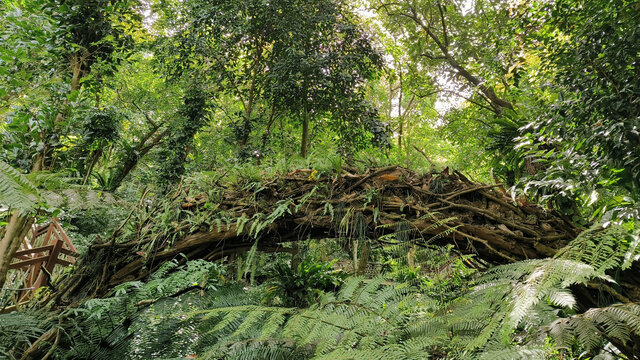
(302, 59)
(587, 140)
(300, 286)
(164, 136)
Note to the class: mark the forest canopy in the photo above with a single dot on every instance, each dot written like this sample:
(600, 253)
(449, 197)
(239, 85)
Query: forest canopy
(281, 179)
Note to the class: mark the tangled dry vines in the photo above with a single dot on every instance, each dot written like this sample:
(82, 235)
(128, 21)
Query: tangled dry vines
(436, 208)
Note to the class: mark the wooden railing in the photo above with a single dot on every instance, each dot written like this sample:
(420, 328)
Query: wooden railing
(45, 247)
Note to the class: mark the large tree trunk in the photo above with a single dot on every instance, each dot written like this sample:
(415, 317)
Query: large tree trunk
(17, 229)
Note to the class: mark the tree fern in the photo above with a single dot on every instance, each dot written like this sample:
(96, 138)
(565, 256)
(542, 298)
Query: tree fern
(505, 298)
(604, 248)
(137, 321)
(618, 324)
(16, 190)
(364, 316)
(364, 319)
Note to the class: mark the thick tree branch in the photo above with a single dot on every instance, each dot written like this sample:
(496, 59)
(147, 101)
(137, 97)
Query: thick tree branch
(444, 24)
(497, 103)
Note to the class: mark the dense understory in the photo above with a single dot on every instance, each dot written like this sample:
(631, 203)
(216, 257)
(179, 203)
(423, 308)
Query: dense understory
(322, 179)
(437, 288)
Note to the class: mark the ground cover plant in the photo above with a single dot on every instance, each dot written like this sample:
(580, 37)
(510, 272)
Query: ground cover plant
(334, 179)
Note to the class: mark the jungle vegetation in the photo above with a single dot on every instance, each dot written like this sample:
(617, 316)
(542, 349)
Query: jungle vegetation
(322, 179)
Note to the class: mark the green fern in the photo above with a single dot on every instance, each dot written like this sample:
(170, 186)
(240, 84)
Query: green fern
(618, 324)
(16, 191)
(603, 247)
(365, 312)
(506, 298)
(260, 221)
(20, 329)
(516, 353)
(137, 321)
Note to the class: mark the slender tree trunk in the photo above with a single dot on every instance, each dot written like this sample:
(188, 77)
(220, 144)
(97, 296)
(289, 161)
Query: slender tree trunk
(304, 143)
(76, 67)
(295, 255)
(17, 229)
(253, 91)
(247, 113)
(363, 262)
(355, 256)
(94, 159)
(411, 257)
(400, 120)
(37, 162)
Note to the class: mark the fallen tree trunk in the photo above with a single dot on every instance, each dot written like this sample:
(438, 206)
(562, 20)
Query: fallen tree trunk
(443, 208)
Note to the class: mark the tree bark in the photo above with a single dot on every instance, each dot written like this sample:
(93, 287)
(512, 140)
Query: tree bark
(363, 262)
(17, 229)
(400, 120)
(131, 161)
(37, 162)
(304, 143)
(473, 217)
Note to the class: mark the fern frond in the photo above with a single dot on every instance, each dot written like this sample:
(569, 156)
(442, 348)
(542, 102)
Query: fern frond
(604, 248)
(16, 191)
(20, 329)
(618, 324)
(515, 353)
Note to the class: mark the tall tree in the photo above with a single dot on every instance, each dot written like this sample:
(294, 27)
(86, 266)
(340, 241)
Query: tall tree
(471, 45)
(288, 56)
(76, 43)
(89, 32)
(321, 68)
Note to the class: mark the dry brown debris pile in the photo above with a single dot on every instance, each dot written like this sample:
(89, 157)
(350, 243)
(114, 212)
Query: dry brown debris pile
(439, 208)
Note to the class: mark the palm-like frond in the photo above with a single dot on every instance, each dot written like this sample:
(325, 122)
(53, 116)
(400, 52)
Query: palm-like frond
(16, 191)
(618, 324)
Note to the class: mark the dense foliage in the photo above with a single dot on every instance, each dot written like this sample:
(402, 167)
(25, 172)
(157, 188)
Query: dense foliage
(285, 178)
(588, 139)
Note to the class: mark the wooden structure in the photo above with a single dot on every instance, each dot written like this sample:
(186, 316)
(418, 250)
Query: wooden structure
(45, 247)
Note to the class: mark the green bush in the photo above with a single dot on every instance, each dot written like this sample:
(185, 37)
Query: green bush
(299, 286)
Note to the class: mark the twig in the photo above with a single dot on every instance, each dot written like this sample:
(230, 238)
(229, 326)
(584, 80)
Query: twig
(375, 173)
(425, 156)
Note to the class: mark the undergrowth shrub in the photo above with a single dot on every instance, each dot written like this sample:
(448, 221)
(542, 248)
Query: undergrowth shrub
(300, 285)
(522, 310)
